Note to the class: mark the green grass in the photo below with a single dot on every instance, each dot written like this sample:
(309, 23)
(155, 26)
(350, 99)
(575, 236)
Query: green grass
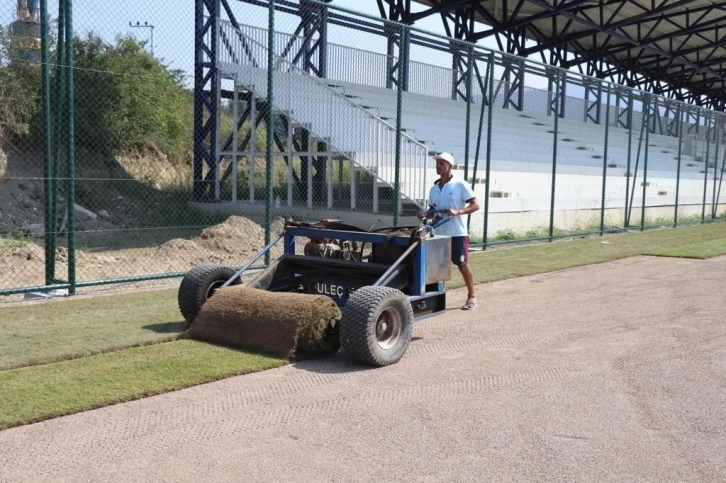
(41, 392)
(701, 241)
(699, 250)
(104, 341)
(63, 329)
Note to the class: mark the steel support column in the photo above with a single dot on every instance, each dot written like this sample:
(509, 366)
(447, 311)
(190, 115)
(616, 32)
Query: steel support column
(623, 95)
(593, 100)
(556, 103)
(671, 116)
(311, 54)
(398, 11)
(513, 79)
(206, 87)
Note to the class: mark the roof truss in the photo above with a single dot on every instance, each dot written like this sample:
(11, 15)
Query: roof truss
(678, 43)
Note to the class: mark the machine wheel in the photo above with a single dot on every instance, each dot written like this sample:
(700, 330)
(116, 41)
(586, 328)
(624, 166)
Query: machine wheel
(376, 325)
(198, 285)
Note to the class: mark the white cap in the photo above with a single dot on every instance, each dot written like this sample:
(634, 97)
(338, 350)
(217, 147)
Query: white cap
(446, 157)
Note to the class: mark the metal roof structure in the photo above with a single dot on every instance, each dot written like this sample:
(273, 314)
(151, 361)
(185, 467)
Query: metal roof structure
(676, 48)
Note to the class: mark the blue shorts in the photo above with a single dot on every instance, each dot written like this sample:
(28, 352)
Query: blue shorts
(459, 250)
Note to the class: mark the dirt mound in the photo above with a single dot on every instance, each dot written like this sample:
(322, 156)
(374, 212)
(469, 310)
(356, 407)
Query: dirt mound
(232, 242)
(231, 235)
(177, 244)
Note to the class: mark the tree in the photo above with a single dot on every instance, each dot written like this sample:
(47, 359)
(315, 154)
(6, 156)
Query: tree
(126, 99)
(19, 88)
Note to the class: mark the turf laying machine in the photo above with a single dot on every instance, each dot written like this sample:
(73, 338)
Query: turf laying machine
(351, 289)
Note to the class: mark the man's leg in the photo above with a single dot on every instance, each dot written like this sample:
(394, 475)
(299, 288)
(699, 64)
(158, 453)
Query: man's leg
(469, 280)
(460, 257)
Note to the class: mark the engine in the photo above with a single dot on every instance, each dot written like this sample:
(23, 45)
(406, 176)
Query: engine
(329, 248)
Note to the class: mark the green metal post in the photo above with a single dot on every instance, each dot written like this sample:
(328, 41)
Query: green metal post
(554, 156)
(705, 169)
(469, 69)
(47, 153)
(678, 171)
(720, 178)
(490, 96)
(645, 165)
(57, 134)
(643, 126)
(715, 172)
(70, 151)
(605, 162)
(270, 124)
(402, 72)
(626, 215)
(477, 151)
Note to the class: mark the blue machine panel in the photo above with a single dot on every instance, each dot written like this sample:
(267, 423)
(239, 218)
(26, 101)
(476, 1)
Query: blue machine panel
(339, 290)
(438, 259)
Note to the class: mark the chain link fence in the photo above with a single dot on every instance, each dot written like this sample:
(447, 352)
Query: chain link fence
(134, 139)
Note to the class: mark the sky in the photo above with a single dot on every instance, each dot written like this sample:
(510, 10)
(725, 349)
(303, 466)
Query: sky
(173, 23)
(173, 30)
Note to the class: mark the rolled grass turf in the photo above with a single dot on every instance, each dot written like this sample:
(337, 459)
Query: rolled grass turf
(280, 324)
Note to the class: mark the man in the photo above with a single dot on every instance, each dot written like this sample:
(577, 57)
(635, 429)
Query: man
(455, 198)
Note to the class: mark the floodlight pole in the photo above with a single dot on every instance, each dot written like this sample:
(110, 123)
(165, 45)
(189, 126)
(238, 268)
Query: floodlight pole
(146, 25)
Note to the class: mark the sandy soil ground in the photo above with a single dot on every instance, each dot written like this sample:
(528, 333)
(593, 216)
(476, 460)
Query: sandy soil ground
(613, 372)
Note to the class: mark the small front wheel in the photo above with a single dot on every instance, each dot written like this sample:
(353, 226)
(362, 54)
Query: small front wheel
(198, 285)
(376, 326)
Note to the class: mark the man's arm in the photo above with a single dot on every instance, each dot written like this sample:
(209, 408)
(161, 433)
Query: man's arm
(419, 212)
(471, 207)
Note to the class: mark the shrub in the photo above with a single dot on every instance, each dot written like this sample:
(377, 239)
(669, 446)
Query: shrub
(19, 88)
(126, 99)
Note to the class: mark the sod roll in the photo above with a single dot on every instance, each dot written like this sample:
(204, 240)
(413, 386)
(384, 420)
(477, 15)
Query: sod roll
(275, 323)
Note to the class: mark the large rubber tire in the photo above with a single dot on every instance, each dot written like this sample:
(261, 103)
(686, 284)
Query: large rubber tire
(198, 285)
(376, 325)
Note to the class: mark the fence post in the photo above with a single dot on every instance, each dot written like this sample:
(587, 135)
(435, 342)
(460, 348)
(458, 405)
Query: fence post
(469, 69)
(57, 133)
(715, 168)
(605, 161)
(49, 220)
(645, 162)
(720, 180)
(402, 67)
(70, 150)
(626, 214)
(678, 171)
(705, 170)
(490, 96)
(643, 127)
(554, 156)
(270, 124)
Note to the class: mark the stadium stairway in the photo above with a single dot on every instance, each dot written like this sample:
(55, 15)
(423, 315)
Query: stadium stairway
(358, 122)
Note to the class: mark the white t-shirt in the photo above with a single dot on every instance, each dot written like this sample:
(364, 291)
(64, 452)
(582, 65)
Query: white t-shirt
(453, 195)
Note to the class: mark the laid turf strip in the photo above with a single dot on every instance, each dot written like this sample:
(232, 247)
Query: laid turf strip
(700, 250)
(278, 324)
(42, 392)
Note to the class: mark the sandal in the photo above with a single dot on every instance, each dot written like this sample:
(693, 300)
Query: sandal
(470, 304)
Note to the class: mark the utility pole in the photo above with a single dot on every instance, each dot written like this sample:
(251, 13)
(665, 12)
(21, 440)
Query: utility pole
(146, 25)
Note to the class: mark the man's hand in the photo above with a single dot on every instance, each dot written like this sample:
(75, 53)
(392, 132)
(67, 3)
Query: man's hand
(419, 214)
(453, 212)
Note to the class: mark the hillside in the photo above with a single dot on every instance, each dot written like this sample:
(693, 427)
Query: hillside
(134, 219)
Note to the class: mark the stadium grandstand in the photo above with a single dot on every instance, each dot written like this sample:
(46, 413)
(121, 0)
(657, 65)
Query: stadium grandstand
(588, 114)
